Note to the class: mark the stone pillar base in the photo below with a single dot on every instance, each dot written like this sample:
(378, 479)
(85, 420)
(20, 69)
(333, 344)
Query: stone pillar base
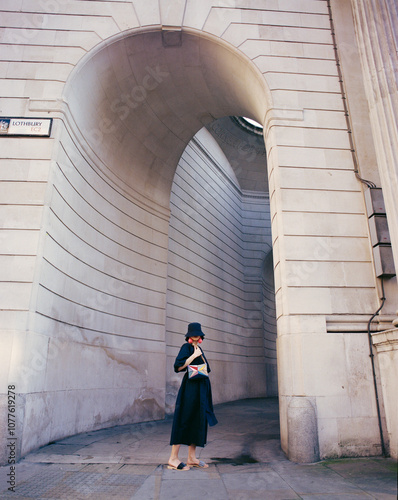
(302, 431)
(386, 345)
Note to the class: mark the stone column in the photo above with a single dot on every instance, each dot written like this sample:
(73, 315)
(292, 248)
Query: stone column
(386, 344)
(376, 23)
(325, 389)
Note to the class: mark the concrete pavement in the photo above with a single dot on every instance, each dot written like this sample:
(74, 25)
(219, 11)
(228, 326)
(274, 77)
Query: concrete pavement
(243, 451)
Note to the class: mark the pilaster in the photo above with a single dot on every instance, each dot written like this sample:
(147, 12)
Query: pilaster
(386, 345)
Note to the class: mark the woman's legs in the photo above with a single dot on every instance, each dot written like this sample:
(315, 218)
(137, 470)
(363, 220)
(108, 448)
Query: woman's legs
(174, 460)
(192, 454)
(192, 460)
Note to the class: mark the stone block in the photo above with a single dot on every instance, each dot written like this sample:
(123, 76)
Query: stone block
(358, 437)
(236, 34)
(255, 372)
(36, 89)
(316, 157)
(291, 34)
(317, 178)
(63, 406)
(20, 217)
(313, 83)
(301, 324)
(254, 50)
(309, 200)
(296, 65)
(66, 55)
(17, 268)
(295, 136)
(329, 274)
(302, 100)
(307, 18)
(29, 34)
(26, 170)
(148, 13)
(328, 438)
(320, 248)
(39, 148)
(30, 71)
(323, 357)
(333, 407)
(303, 300)
(9, 5)
(220, 18)
(234, 384)
(12, 87)
(353, 300)
(38, 412)
(15, 296)
(293, 49)
(124, 15)
(22, 193)
(13, 320)
(326, 119)
(360, 380)
(172, 14)
(85, 39)
(11, 107)
(29, 362)
(330, 224)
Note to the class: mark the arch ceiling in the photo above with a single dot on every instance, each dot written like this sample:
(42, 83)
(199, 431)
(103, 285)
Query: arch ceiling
(138, 101)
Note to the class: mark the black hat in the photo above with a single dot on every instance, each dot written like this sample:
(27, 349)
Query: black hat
(194, 330)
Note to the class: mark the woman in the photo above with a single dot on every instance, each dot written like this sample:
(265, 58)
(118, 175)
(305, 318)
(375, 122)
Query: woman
(194, 406)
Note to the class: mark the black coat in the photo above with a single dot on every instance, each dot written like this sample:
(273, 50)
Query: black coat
(194, 405)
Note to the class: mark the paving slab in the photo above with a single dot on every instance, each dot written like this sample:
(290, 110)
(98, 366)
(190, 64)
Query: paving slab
(244, 455)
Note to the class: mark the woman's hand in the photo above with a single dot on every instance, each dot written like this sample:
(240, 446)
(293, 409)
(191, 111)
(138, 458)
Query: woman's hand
(196, 352)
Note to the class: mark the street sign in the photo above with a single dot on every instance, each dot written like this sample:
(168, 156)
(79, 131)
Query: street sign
(29, 127)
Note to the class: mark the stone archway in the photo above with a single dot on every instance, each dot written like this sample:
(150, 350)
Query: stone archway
(132, 105)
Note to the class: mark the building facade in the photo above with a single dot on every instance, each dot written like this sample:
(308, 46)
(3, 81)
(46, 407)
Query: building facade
(151, 203)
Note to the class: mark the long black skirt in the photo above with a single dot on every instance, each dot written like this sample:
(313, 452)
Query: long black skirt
(193, 412)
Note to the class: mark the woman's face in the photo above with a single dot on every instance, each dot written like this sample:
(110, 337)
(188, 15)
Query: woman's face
(195, 339)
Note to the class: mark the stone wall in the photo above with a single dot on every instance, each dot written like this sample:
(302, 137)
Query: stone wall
(94, 352)
(218, 238)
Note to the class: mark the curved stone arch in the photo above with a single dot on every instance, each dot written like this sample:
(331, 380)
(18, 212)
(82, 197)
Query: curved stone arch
(103, 278)
(217, 73)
